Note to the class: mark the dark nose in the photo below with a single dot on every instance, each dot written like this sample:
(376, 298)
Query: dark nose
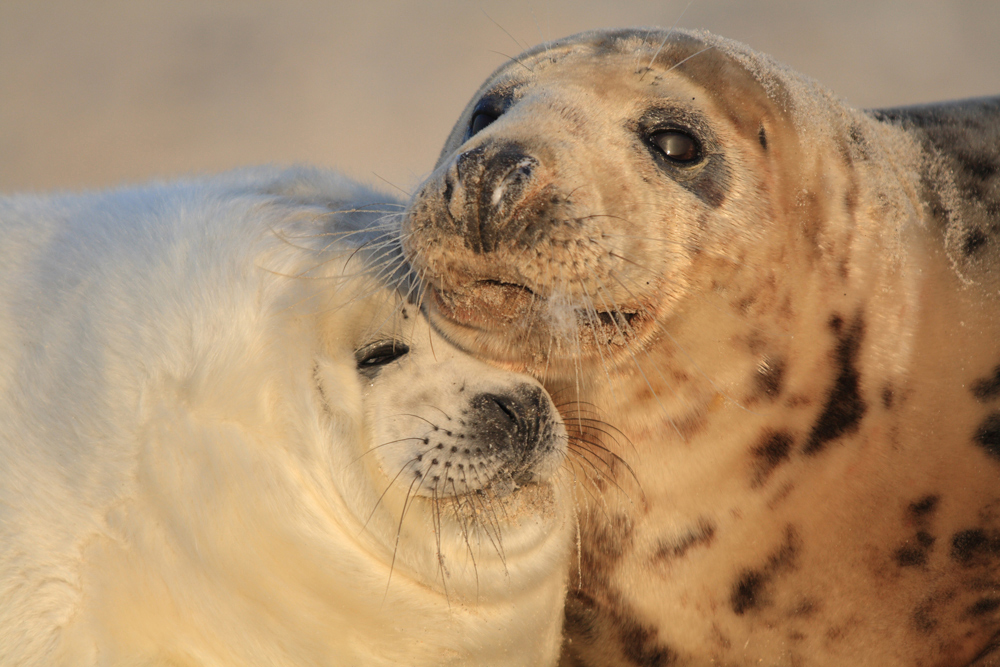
(512, 425)
(484, 188)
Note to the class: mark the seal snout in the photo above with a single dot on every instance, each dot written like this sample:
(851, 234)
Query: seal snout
(485, 189)
(519, 428)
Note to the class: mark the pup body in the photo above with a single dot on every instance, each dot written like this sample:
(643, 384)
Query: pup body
(203, 462)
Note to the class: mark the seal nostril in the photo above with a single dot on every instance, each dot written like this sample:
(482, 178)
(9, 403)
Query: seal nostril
(469, 165)
(506, 406)
(497, 417)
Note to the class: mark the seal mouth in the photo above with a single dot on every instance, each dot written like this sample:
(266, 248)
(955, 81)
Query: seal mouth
(486, 304)
(511, 310)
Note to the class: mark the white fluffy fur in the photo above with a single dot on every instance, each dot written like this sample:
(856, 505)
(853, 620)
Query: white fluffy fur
(183, 477)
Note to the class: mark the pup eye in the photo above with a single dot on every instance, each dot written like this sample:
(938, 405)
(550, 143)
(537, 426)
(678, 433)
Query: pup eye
(677, 146)
(380, 354)
(479, 121)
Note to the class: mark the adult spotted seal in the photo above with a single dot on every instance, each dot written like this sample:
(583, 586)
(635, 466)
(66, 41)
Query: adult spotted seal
(783, 316)
(226, 439)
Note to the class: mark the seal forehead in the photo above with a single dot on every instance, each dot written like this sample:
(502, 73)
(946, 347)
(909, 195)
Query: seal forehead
(655, 64)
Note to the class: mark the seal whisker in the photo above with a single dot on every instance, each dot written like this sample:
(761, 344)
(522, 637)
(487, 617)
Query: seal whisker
(592, 314)
(649, 385)
(580, 454)
(487, 512)
(399, 529)
(392, 185)
(666, 36)
(456, 505)
(698, 53)
(384, 444)
(436, 520)
(505, 31)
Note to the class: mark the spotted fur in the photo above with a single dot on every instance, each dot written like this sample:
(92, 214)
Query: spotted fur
(788, 323)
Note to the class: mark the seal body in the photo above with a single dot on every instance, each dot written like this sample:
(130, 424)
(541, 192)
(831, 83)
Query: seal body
(780, 318)
(227, 439)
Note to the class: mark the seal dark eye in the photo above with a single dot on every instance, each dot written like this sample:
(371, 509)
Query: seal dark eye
(379, 354)
(479, 121)
(677, 146)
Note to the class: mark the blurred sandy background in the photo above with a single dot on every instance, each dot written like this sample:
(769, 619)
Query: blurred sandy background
(100, 92)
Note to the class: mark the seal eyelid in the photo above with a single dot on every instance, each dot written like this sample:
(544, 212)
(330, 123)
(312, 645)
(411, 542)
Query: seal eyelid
(677, 146)
(380, 353)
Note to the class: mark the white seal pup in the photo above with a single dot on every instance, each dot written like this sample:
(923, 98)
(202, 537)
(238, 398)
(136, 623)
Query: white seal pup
(226, 439)
(789, 309)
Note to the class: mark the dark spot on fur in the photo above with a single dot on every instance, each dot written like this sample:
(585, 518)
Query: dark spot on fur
(749, 591)
(772, 451)
(582, 615)
(988, 435)
(887, 397)
(844, 407)
(923, 507)
(975, 547)
(986, 389)
(912, 555)
(610, 538)
(702, 535)
(762, 137)
(984, 606)
(587, 619)
(805, 608)
(923, 621)
(745, 594)
(768, 380)
(640, 645)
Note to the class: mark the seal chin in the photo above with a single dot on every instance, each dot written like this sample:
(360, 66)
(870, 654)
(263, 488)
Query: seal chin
(509, 323)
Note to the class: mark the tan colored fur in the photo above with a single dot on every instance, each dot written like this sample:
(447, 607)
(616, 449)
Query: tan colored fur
(783, 341)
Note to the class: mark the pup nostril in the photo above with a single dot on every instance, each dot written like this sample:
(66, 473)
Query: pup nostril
(510, 419)
(496, 418)
(506, 407)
